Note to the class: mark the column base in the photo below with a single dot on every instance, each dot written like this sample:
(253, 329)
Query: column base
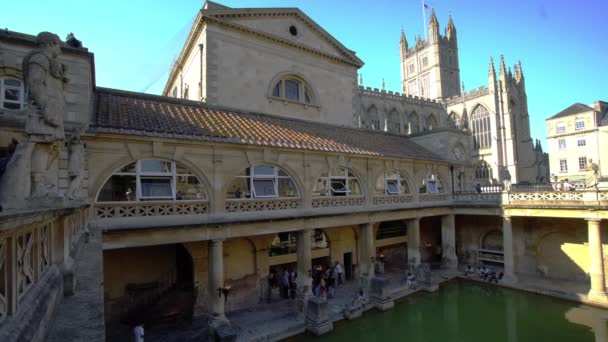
(509, 279)
(220, 330)
(597, 296)
(449, 264)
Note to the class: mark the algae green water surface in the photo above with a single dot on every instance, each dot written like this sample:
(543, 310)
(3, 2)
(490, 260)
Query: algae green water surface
(469, 312)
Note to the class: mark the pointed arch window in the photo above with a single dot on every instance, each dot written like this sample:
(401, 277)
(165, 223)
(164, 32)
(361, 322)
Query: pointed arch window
(292, 88)
(483, 171)
(414, 123)
(263, 181)
(339, 181)
(152, 179)
(431, 123)
(394, 123)
(374, 118)
(482, 132)
(454, 120)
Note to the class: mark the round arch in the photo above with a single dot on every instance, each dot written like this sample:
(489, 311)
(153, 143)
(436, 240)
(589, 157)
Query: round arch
(292, 174)
(298, 76)
(354, 171)
(105, 175)
(481, 126)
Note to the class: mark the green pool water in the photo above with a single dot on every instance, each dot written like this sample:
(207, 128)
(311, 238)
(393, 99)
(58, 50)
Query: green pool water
(469, 311)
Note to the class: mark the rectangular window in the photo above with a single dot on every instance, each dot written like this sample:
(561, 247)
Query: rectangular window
(431, 186)
(582, 163)
(338, 187)
(581, 142)
(579, 124)
(561, 127)
(264, 188)
(155, 166)
(411, 68)
(292, 90)
(156, 187)
(561, 143)
(392, 186)
(563, 165)
(425, 61)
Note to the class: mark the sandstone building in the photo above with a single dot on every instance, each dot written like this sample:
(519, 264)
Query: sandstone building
(265, 153)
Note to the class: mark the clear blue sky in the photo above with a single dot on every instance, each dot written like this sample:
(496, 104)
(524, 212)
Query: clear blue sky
(563, 45)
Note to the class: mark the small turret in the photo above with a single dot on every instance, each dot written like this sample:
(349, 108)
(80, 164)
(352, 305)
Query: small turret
(492, 76)
(434, 28)
(503, 76)
(418, 42)
(403, 41)
(450, 30)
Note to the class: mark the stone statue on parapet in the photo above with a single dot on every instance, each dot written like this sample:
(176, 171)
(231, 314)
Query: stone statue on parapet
(592, 175)
(44, 78)
(506, 179)
(31, 178)
(75, 164)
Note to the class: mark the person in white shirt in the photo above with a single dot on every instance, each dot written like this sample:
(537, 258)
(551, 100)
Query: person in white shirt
(138, 333)
(340, 273)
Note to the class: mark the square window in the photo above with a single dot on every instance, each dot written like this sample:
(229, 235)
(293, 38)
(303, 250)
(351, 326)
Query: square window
(582, 163)
(579, 124)
(563, 165)
(264, 188)
(581, 142)
(562, 144)
(156, 187)
(561, 127)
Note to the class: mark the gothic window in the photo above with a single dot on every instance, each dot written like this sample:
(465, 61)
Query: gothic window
(432, 184)
(425, 86)
(263, 181)
(12, 95)
(392, 183)
(339, 181)
(152, 179)
(394, 124)
(292, 88)
(483, 171)
(414, 123)
(454, 120)
(374, 118)
(431, 123)
(482, 132)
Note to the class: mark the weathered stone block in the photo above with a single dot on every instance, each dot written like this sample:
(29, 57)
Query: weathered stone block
(380, 294)
(317, 318)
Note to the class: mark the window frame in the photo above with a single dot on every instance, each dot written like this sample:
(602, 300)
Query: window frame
(305, 94)
(21, 93)
(327, 178)
(433, 178)
(396, 176)
(275, 177)
(563, 165)
(579, 140)
(481, 125)
(173, 175)
(584, 164)
(561, 143)
(578, 127)
(560, 127)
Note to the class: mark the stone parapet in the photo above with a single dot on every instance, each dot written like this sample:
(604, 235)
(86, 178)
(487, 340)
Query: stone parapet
(380, 294)
(317, 316)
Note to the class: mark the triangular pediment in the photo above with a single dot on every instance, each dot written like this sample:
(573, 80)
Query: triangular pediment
(287, 25)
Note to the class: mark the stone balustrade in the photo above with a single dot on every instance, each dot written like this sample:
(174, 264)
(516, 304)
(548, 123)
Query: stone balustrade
(150, 208)
(36, 269)
(341, 201)
(262, 204)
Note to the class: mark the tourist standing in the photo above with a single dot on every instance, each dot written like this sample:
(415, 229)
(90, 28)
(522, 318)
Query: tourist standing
(138, 333)
(339, 273)
(285, 285)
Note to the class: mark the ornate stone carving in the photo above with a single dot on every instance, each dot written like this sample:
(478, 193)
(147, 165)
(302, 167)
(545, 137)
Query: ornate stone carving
(75, 165)
(506, 179)
(592, 174)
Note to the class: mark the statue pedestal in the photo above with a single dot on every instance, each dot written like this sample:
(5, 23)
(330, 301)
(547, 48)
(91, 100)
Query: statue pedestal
(379, 294)
(317, 318)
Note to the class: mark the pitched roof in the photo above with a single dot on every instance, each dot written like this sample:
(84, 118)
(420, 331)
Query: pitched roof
(122, 112)
(574, 109)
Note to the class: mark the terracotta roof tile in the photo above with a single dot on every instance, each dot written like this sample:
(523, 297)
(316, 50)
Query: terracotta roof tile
(122, 112)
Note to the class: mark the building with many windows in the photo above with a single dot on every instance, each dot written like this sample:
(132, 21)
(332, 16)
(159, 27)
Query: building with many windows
(575, 137)
(264, 155)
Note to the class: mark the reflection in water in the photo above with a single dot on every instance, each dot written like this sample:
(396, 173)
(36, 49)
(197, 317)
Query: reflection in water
(467, 311)
(594, 318)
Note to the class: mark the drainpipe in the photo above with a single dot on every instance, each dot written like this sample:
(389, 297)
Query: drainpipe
(200, 83)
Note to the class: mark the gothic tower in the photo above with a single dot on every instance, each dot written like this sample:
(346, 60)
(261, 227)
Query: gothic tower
(430, 68)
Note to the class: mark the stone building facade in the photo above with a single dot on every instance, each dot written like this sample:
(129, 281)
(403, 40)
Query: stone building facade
(288, 164)
(576, 136)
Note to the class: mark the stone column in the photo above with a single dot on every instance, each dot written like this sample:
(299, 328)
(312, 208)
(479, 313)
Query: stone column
(367, 250)
(448, 241)
(508, 249)
(596, 262)
(413, 244)
(216, 279)
(304, 259)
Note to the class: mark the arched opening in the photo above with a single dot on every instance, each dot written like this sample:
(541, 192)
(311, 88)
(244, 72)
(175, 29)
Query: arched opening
(293, 88)
(391, 247)
(482, 130)
(431, 123)
(339, 181)
(413, 123)
(454, 120)
(483, 172)
(392, 183)
(374, 119)
(394, 122)
(432, 184)
(262, 181)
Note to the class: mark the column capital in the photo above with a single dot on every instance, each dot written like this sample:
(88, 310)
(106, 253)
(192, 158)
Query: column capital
(507, 217)
(217, 241)
(593, 219)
